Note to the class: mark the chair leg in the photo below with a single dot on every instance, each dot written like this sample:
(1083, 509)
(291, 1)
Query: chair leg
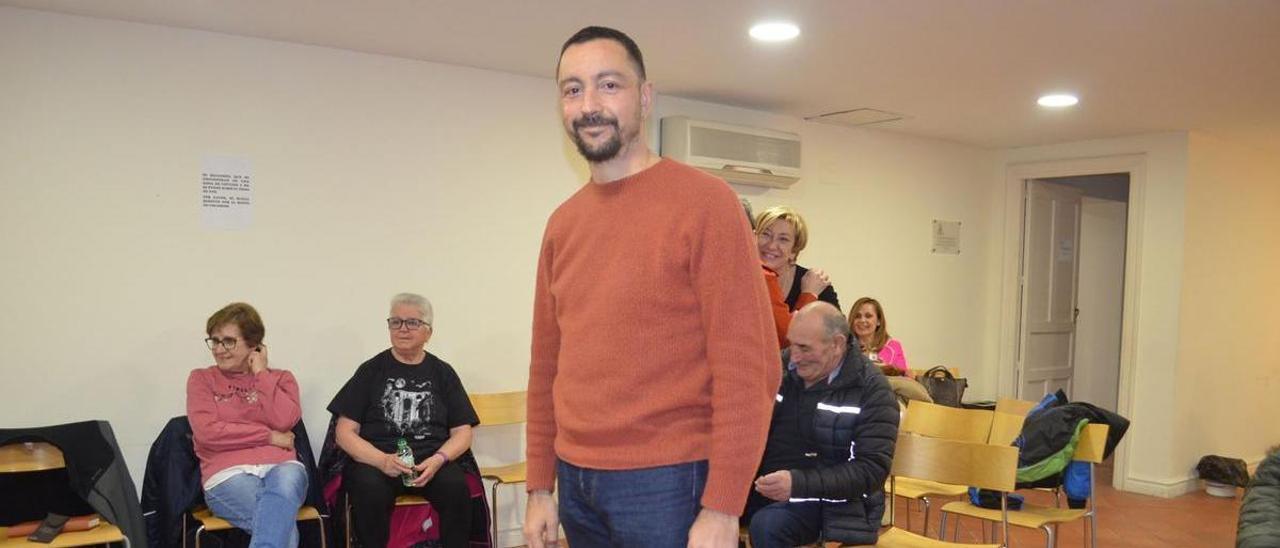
(942, 527)
(908, 505)
(925, 500)
(320, 520)
(1049, 538)
(493, 496)
(199, 531)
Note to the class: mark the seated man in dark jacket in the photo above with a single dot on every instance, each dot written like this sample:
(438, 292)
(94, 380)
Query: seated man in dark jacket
(830, 442)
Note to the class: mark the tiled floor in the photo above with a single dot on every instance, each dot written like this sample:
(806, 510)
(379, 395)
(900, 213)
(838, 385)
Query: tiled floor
(1125, 520)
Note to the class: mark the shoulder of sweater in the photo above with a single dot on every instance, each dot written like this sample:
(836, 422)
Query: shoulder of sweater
(203, 373)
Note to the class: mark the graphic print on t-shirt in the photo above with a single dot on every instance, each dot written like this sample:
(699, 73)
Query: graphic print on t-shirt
(406, 405)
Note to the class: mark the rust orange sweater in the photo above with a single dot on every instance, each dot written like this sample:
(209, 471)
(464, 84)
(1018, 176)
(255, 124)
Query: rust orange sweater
(653, 342)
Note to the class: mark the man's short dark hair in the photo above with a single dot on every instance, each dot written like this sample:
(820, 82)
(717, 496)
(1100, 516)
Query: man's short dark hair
(588, 34)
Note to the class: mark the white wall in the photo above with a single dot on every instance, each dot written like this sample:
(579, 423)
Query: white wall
(1101, 301)
(1229, 354)
(373, 175)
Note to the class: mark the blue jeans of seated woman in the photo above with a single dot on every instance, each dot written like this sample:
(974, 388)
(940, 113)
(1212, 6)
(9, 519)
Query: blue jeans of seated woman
(647, 507)
(266, 508)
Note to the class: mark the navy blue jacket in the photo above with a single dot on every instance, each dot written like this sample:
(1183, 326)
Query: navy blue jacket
(855, 426)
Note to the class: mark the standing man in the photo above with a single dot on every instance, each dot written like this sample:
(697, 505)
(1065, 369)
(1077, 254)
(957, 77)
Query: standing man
(831, 443)
(654, 360)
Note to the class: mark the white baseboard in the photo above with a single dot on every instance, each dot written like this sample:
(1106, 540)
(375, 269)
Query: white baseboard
(1175, 487)
(1165, 489)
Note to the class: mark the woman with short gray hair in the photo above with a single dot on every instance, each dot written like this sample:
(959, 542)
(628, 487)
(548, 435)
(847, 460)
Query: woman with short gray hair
(405, 397)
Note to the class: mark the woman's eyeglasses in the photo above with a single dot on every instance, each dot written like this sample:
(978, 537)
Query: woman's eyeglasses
(227, 343)
(412, 323)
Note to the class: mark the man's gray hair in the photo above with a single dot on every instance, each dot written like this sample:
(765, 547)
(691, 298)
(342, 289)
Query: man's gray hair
(833, 321)
(417, 301)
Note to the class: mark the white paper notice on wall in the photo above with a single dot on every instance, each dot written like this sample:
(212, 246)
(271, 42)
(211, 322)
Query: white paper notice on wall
(946, 237)
(1066, 251)
(226, 193)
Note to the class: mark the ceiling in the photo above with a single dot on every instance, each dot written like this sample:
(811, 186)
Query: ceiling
(964, 71)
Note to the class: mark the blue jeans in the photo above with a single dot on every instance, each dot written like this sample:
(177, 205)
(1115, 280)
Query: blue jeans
(786, 524)
(647, 507)
(266, 508)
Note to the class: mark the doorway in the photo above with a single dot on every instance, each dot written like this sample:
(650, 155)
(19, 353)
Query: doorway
(1112, 190)
(1072, 299)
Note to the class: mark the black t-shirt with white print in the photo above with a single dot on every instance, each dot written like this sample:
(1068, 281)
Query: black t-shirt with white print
(419, 402)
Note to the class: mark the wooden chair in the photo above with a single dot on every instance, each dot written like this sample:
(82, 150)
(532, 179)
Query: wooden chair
(497, 409)
(1090, 448)
(104, 533)
(1014, 406)
(940, 421)
(38, 457)
(1005, 427)
(210, 523)
(951, 462)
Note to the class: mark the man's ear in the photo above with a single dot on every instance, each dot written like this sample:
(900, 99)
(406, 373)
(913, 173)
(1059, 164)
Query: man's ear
(646, 99)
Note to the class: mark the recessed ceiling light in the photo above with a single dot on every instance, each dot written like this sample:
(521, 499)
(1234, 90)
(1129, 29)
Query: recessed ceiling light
(1057, 100)
(774, 31)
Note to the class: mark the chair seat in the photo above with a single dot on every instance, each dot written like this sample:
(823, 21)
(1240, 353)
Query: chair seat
(214, 523)
(410, 500)
(511, 473)
(1030, 516)
(913, 488)
(102, 534)
(901, 538)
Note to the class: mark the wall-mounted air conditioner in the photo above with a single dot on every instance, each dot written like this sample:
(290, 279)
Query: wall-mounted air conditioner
(737, 154)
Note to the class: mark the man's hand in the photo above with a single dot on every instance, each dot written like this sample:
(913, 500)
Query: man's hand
(391, 466)
(714, 529)
(427, 469)
(775, 485)
(283, 440)
(541, 521)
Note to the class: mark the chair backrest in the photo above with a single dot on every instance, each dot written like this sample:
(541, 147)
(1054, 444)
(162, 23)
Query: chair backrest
(1014, 406)
(952, 423)
(1092, 443)
(1005, 427)
(499, 407)
(958, 462)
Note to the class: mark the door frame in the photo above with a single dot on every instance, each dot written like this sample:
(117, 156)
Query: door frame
(1016, 175)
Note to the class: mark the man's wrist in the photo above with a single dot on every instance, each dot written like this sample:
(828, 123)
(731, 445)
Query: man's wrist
(442, 456)
(716, 514)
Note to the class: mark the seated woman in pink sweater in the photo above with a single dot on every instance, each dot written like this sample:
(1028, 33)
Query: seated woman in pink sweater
(866, 319)
(242, 413)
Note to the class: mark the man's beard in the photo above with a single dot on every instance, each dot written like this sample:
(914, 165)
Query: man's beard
(605, 151)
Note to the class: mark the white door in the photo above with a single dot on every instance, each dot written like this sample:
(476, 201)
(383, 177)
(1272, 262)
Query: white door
(1050, 264)
(1101, 302)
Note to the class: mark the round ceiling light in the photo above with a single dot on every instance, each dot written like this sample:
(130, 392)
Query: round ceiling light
(1057, 100)
(775, 31)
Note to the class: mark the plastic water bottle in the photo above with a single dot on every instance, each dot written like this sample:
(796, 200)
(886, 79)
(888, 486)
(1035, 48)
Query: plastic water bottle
(405, 454)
